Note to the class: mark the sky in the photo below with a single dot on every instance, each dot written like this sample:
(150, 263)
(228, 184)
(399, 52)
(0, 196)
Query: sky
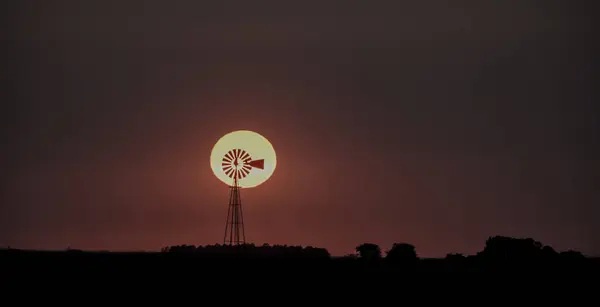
(435, 123)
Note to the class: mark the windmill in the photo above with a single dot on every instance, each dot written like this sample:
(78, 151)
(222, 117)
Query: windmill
(241, 159)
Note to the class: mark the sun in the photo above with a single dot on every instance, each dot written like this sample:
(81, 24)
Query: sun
(244, 154)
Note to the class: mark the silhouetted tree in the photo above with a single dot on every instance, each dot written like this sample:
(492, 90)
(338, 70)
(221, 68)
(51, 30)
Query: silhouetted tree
(506, 248)
(402, 252)
(369, 251)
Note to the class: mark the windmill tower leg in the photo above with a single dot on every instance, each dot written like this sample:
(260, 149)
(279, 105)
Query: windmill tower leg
(234, 229)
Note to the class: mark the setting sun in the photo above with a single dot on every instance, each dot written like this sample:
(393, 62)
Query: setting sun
(244, 154)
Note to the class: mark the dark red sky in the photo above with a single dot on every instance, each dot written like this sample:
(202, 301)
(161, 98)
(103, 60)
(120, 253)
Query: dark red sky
(434, 124)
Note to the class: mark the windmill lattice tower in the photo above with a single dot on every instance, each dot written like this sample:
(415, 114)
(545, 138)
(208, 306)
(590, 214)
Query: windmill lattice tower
(237, 164)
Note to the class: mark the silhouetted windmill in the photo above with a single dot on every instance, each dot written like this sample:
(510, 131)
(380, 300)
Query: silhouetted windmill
(241, 159)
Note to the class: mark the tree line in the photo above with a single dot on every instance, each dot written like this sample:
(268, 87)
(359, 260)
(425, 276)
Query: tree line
(496, 249)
